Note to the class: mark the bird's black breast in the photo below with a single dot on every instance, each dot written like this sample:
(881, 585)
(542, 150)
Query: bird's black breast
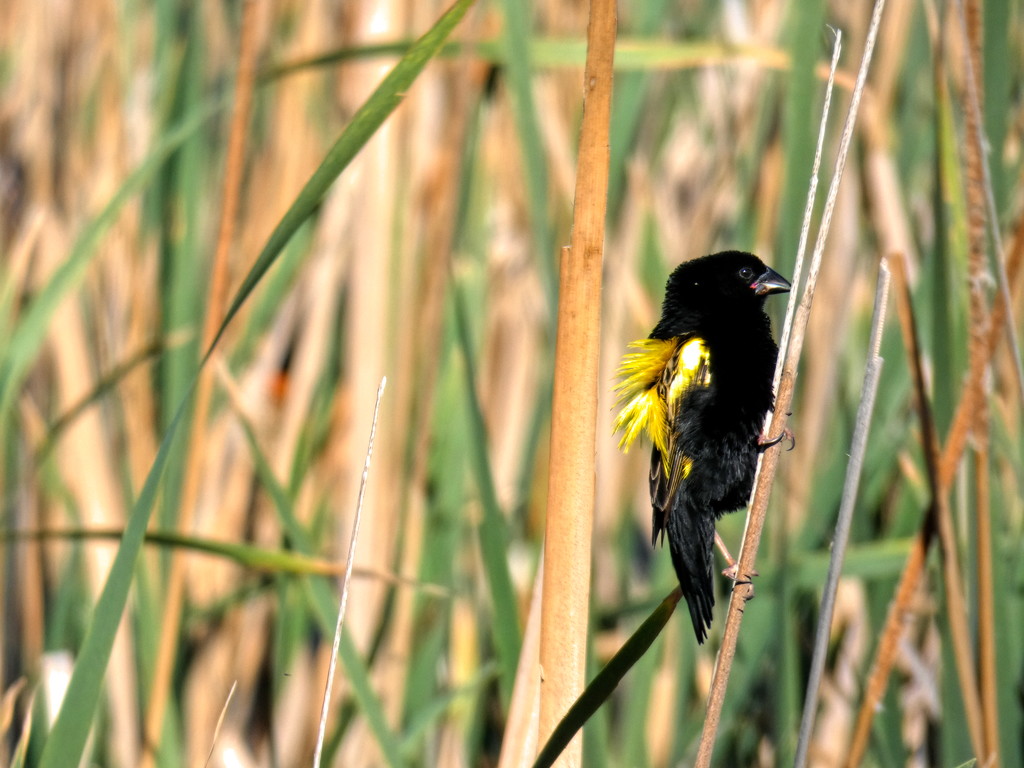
(719, 427)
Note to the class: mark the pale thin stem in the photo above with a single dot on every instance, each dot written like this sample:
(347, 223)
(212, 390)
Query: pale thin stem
(349, 564)
(858, 447)
(769, 459)
(812, 193)
(937, 520)
(220, 722)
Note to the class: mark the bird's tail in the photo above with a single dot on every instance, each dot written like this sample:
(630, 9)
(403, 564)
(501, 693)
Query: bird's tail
(691, 540)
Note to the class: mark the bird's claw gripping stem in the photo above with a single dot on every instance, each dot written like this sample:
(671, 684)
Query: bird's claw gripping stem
(785, 434)
(732, 570)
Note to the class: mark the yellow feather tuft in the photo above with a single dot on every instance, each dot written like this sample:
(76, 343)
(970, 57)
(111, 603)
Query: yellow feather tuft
(653, 379)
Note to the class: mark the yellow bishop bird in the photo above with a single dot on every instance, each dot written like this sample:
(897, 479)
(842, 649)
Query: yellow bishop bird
(698, 389)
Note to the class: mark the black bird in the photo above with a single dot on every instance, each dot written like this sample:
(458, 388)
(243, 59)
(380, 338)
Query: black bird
(700, 387)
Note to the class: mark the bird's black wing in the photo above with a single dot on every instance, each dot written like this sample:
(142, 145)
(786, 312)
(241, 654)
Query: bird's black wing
(691, 541)
(686, 373)
(676, 510)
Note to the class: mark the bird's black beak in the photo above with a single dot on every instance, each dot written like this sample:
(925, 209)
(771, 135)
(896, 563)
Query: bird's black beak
(770, 282)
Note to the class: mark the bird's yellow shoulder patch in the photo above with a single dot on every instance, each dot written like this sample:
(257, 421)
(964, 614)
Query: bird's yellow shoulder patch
(653, 379)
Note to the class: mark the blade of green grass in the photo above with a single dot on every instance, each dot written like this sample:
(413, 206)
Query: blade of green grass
(627, 107)
(70, 730)
(799, 122)
(998, 88)
(948, 343)
(492, 532)
(261, 559)
(632, 54)
(634, 720)
(106, 383)
(424, 718)
(446, 533)
(601, 687)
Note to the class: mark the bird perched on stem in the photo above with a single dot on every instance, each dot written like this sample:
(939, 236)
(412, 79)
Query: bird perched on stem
(700, 387)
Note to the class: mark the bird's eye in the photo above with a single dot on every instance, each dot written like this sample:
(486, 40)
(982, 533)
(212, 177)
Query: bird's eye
(746, 273)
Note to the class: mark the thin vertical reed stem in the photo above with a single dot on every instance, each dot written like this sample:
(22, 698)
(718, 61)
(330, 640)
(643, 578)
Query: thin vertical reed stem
(872, 374)
(812, 194)
(937, 520)
(769, 460)
(346, 580)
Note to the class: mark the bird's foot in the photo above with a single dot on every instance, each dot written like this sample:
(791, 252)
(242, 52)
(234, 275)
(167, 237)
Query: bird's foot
(786, 434)
(732, 572)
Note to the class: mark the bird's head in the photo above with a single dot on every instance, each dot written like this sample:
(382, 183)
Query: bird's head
(707, 290)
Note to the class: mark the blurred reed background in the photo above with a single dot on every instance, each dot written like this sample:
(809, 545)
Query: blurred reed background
(433, 260)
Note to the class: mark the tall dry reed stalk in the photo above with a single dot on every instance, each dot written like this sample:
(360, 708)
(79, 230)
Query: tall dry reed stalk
(565, 610)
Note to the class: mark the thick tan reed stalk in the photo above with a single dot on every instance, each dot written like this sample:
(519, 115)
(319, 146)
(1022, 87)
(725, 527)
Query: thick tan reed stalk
(215, 308)
(569, 524)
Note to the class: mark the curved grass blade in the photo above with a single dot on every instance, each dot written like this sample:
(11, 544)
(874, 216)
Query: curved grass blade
(601, 687)
(632, 54)
(109, 380)
(67, 739)
(281, 562)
